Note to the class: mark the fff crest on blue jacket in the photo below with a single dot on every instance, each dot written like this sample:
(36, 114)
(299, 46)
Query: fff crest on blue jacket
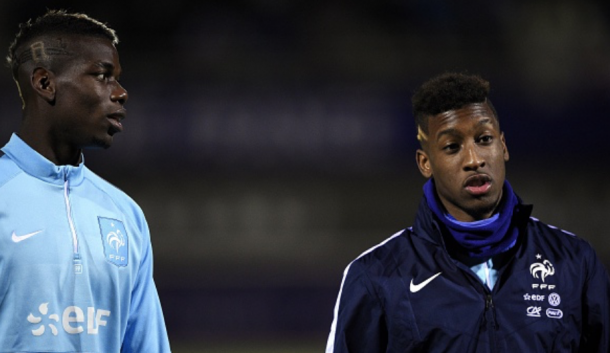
(114, 238)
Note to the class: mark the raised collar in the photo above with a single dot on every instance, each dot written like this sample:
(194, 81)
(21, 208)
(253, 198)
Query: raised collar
(427, 226)
(36, 165)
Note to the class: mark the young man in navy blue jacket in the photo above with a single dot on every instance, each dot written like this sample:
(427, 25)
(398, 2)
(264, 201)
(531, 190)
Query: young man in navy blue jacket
(475, 273)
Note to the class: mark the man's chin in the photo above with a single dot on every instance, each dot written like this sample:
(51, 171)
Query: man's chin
(100, 144)
(482, 208)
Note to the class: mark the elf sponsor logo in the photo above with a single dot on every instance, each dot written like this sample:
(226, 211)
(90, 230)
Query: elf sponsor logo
(73, 320)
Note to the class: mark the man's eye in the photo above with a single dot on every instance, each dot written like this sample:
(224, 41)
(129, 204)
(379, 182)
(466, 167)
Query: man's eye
(486, 139)
(102, 76)
(451, 147)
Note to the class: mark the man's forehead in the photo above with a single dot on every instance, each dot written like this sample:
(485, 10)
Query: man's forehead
(474, 110)
(477, 111)
(86, 45)
(481, 112)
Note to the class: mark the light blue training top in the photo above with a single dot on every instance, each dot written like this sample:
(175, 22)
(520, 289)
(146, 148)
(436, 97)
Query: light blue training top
(76, 264)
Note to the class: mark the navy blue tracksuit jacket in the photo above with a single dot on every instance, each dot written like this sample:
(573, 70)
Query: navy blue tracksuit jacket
(408, 294)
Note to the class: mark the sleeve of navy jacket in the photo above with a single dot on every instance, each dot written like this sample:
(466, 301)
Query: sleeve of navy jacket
(596, 306)
(359, 322)
(75, 262)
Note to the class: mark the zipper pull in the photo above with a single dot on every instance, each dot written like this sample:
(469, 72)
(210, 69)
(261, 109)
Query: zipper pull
(78, 264)
(489, 306)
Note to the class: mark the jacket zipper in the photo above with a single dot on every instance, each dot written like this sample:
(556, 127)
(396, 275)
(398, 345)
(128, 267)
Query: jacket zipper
(492, 323)
(76, 260)
(490, 311)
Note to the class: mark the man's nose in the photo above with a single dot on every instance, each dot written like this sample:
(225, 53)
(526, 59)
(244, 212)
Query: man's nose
(119, 94)
(473, 159)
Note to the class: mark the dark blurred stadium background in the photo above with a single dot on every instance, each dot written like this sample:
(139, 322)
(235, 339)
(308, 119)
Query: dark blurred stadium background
(271, 142)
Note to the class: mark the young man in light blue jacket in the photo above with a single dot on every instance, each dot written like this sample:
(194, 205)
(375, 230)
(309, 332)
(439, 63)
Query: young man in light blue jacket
(76, 270)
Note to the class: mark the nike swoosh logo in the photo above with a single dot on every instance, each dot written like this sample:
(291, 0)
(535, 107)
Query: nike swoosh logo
(17, 238)
(414, 288)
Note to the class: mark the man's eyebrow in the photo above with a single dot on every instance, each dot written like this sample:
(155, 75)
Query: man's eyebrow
(105, 65)
(449, 131)
(485, 121)
(453, 131)
(109, 68)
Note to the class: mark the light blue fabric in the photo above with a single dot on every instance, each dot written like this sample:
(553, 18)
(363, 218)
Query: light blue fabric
(486, 273)
(75, 261)
(480, 223)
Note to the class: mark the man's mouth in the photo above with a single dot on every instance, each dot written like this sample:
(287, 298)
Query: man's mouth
(115, 121)
(478, 184)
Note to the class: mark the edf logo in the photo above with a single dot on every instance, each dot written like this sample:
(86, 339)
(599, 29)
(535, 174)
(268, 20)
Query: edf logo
(114, 238)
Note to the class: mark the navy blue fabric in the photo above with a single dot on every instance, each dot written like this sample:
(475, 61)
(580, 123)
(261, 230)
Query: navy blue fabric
(552, 295)
(480, 240)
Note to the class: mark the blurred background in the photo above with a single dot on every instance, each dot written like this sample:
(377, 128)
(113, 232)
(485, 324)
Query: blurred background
(271, 142)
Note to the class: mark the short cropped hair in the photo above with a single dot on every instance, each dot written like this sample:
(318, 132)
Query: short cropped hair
(446, 92)
(52, 23)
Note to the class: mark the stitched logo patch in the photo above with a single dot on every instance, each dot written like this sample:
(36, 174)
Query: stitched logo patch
(114, 238)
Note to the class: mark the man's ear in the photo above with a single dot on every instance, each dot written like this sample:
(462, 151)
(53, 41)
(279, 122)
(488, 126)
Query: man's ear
(423, 163)
(43, 84)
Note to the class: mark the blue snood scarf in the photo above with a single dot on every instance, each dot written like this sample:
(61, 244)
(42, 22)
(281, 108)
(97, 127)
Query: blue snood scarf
(481, 239)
